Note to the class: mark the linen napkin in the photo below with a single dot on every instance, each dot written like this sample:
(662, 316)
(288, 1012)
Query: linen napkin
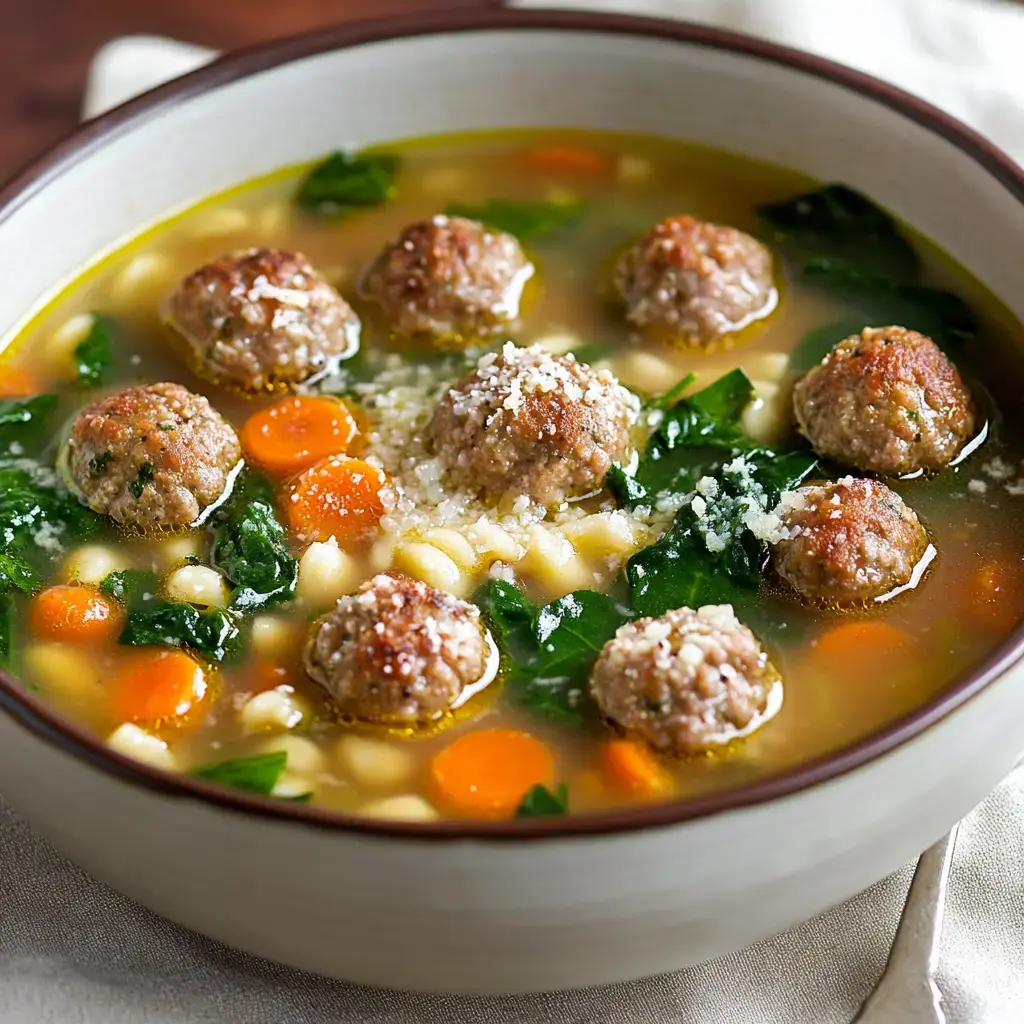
(75, 952)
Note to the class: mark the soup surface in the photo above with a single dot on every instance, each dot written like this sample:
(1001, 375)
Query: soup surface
(532, 523)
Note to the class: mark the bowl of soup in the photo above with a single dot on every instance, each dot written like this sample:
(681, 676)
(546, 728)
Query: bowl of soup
(506, 531)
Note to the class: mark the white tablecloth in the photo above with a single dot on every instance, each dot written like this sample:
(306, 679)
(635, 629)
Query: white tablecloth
(74, 952)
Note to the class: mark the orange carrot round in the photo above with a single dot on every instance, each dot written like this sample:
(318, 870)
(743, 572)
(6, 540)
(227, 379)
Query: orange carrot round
(859, 647)
(17, 383)
(291, 435)
(340, 498)
(566, 161)
(159, 687)
(74, 615)
(486, 773)
(632, 768)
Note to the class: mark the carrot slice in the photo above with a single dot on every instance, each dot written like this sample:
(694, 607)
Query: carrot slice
(290, 436)
(486, 773)
(17, 383)
(566, 161)
(159, 687)
(74, 615)
(340, 498)
(632, 768)
(858, 648)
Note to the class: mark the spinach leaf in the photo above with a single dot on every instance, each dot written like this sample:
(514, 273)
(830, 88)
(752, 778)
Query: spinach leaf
(93, 353)
(711, 554)
(541, 802)
(522, 219)
(158, 622)
(6, 628)
(346, 183)
(250, 547)
(145, 476)
(547, 652)
(855, 249)
(259, 774)
(36, 518)
(24, 422)
(941, 315)
(130, 587)
(837, 221)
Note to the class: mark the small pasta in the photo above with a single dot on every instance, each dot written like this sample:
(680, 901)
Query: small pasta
(292, 786)
(374, 762)
(644, 372)
(430, 565)
(272, 636)
(304, 756)
(60, 347)
(177, 549)
(558, 344)
(407, 807)
(767, 418)
(455, 546)
(327, 573)
(552, 562)
(604, 534)
(92, 564)
(62, 672)
(274, 710)
(633, 169)
(197, 584)
(492, 540)
(139, 745)
(145, 274)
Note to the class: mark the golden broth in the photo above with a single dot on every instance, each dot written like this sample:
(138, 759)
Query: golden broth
(974, 521)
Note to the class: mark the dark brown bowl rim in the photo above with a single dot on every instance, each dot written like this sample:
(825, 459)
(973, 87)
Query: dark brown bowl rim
(45, 723)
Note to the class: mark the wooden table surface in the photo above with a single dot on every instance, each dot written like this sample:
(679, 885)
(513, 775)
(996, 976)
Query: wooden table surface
(46, 46)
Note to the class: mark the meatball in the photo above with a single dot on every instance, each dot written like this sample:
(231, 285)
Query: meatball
(886, 401)
(451, 278)
(848, 542)
(528, 423)
(152, 457)
(262, 319)
(400, 653)
(686, 682)
(692, 283)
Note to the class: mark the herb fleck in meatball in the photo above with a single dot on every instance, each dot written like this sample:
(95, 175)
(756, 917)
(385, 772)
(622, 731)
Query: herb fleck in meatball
(262, 319)
(152, 457)
(686, 682)
(693, 283)
(451, 278)
(528, 423)
(400, 653)
(849, 542)
(887, 401)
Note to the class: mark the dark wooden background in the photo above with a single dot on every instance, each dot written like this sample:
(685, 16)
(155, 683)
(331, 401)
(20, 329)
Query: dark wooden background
(46, 46)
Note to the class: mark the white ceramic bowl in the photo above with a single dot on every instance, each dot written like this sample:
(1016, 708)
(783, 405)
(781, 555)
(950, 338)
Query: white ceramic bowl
(510, 906)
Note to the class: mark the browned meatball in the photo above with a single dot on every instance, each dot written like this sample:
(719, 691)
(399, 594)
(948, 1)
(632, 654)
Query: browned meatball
(686, 682)
(528, 423)
(886, 401)
(262, 319)
(398, 652)
(849, 542)
(152, 457)
(693, 283)
(451, 278)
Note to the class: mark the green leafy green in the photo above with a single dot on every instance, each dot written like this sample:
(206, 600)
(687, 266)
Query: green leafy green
(130, 587)
(258, 774)
(711, 555)
(93, 353)
(32, 505)
(547, 652)
(6, 628)
(24, 423)
(855, 249)
(250, 546)
(146, 475)
(522, 219)
(158, 622)
(346, 183)
(837, 221)
(541, 802)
